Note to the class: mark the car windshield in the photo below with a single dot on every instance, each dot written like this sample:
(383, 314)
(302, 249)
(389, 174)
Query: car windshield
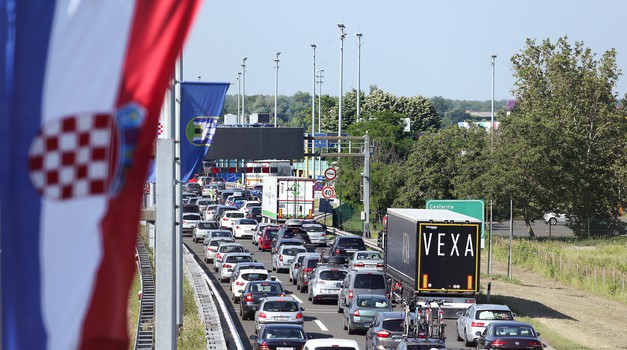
(332, 275)
(352, 243)
(373, 302)
(221, 234)
(311, 263)
(206, 225)
(271, 234)
(494, 315)
(313, 228)
(369, 281)
(283, 333)
(248, 222)
(238, 258)
(191, 217)
(254, 276)
(232, 248)
(369, 256)
(281, 306)
(266, 288)
(234, 215)
(514, 331)
(394, 325)
(293, 251)
(216, 242)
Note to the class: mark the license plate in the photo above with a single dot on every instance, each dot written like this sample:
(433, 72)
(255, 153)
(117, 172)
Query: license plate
(284, 348)
(249, 231)
(330, 291)
(281, 318)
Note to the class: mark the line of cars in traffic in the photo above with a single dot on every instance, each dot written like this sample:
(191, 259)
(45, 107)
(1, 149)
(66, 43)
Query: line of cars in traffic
(350, 275)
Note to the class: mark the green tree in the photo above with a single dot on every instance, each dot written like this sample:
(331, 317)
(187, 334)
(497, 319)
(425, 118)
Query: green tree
(561, 146)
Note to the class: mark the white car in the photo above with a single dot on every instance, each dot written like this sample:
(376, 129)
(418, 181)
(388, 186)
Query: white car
(190, 220)
(229, 260)
(243, 277)
(282, 259)
(211, 247)
(279, 310)
(366, 259)
(554, 218)
(223, 248)
(331, 343)
(477, 317)
(247, 204)
(202, 229)
(244, 228)
(228, 219)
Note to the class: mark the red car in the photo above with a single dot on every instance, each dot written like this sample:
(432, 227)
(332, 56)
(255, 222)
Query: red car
(265, 240)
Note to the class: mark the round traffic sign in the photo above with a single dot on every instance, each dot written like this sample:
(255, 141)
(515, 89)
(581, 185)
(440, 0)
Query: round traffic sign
(318, 186)
(330, 174)
(328, 192)
(146, 187)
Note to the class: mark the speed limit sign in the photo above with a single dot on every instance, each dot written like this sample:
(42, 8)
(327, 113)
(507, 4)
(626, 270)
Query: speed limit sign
(328, 192)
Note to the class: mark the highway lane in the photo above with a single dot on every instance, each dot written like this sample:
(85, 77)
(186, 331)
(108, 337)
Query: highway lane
(321, 320)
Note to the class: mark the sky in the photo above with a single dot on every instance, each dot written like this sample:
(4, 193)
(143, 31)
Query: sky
(408, 48)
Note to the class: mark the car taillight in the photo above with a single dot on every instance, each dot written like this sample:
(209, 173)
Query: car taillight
(264, 346)
(219, 256)
(261, 314)
(307, 269)
(356, 313)
(379, 265)
(477, 324)
(387, 295)
(323, 234)
(350, 294)
(211, 249)
(281, 257)
(224, 219)
(299, 315)
(227, 266)
(498, 342)
(237, 227)
(320, 282)
(359, 264)
(383, 334)
(249, 298)
(240, 283)
(534, 343)
(337, 252)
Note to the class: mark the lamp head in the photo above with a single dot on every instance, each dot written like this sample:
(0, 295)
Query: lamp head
(493, 56)
(359, 35)
(341, 25)
(313, 45)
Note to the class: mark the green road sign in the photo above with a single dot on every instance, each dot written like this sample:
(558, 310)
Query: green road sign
(472, 207)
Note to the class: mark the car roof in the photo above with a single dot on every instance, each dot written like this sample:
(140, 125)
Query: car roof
(391, 315)
(332, 342)
(509, 323)
(286, 298)
(491, 307)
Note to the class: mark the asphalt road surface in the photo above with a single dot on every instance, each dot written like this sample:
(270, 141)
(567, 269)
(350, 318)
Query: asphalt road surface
(321, 320)
(539, 228)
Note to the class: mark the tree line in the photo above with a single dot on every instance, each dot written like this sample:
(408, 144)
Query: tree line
(561, 145)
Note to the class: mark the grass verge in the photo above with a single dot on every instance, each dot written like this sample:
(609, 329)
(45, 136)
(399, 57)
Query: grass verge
(548, 335)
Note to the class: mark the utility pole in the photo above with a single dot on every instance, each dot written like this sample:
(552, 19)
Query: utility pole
(339, 126)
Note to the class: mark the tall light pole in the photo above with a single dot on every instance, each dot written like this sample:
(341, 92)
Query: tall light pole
(339, 121)
(320, 114)
(359, 35)
(239, 94)
(243, 90)
(276, 85)
(313, 111)
(492, 108)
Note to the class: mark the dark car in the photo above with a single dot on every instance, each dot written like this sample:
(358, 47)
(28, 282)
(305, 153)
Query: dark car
(191, 208)
(256, 291)
(193, 187)
(385, 330)
(254, 213)
(279, 336)
(346, 245)
(509, 335)
(296, 233)
(305, 271)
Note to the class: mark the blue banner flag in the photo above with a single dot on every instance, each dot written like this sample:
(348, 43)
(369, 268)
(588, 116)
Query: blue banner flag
(201, 105)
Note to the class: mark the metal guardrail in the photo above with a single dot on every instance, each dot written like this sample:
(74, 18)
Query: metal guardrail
(146, 320)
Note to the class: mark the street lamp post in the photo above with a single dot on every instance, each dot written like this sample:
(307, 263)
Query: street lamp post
(359, 35)
(491, 147)
(492, 107)
(239, 93)
(339, 126)
(320, 114)
(276, 85)
(313, 111)
(243, 90)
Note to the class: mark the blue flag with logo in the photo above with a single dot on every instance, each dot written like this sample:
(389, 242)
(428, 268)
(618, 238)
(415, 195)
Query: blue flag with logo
(201, 105)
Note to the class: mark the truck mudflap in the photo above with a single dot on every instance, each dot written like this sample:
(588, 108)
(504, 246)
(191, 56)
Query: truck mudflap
(450, 306)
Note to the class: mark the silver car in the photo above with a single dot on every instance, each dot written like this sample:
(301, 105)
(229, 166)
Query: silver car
(211, 247)
(279, 310)
(282, 259)
(316, 233)
(366, 259)
(295, 266)
(326, 282)
(202, 229)
(477, 317)
(228, 263)
(226, 247)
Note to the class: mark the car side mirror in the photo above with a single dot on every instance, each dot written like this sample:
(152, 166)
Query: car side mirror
(302, 308)
(240, 291)
(367, 325)
(297, 264)
(272, 278)
(459, 314)
(253, 337)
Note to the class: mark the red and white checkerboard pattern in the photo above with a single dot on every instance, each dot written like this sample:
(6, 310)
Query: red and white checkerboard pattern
(72, 156)
(160, 130)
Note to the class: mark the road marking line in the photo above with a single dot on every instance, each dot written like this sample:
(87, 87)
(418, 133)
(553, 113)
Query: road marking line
(297, 299)
(322, 327)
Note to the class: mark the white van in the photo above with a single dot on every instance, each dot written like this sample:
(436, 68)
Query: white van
(331, 344)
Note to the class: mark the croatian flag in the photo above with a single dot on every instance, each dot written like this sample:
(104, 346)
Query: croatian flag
(82, 82)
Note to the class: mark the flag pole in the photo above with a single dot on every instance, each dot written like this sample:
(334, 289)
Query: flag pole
(177, 198)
